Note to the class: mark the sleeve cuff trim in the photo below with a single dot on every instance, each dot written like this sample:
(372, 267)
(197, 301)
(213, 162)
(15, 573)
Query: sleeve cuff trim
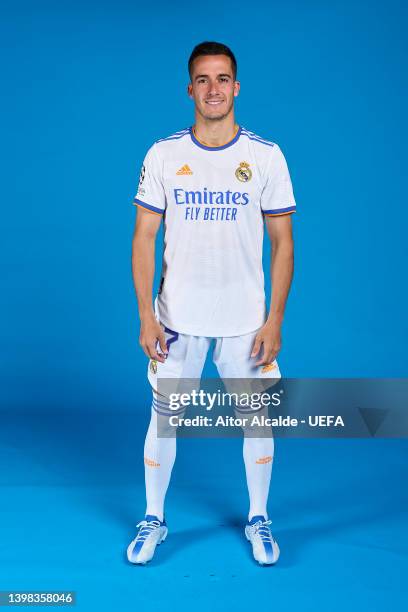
(154, 209)
(280, 211)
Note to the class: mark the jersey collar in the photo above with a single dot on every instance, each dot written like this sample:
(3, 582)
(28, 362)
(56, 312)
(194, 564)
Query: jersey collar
(206, 148)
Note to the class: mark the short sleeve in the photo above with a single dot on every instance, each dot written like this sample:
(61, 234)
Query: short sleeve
(150, 193)
(277, 196)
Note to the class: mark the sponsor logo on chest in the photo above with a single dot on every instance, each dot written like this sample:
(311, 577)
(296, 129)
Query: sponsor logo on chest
(207, 204)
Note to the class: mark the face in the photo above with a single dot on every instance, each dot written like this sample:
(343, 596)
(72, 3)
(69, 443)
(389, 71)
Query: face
(213, 87)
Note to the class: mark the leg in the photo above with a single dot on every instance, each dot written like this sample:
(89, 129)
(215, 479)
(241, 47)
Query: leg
(159, 457)
(232, 357)
(258, 457)
(185, 359)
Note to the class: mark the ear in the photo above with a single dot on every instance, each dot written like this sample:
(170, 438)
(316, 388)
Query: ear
(237, 87)
(190, 90)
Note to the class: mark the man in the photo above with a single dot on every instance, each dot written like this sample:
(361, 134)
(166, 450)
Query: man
(214, 185)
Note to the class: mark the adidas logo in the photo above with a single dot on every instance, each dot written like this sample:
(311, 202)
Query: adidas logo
(184, 170)
(267, 459)
(268, 368)
(151, 463)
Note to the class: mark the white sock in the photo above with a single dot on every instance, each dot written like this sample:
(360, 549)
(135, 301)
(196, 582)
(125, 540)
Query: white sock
(159, 457)
(258, 457)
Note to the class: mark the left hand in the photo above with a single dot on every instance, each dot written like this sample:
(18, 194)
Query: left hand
(269, 336)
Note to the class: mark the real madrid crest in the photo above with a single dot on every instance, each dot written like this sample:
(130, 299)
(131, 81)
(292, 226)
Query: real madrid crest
(243, 172)
(153, 366)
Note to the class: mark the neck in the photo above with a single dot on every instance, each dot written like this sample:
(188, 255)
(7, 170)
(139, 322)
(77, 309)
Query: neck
(215, 133)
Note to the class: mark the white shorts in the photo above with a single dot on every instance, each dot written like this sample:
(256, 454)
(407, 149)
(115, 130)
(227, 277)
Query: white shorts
(181, 372)
(231, 355)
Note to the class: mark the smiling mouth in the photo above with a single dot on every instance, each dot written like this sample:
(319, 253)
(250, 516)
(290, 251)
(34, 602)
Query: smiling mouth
(214, 102)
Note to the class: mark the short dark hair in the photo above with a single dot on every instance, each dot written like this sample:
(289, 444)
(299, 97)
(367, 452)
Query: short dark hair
(212, 48)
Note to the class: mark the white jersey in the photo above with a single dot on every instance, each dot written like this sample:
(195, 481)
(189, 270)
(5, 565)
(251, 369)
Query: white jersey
(213, 200)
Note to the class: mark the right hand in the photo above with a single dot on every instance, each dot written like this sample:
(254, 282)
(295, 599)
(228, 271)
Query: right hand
(151, 332)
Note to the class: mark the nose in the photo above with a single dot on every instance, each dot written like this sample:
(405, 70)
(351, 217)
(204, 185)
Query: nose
(213, 88)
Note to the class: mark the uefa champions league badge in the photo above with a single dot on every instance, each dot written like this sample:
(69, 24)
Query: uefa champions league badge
(243, 172)
(142, 175)
(140, 190)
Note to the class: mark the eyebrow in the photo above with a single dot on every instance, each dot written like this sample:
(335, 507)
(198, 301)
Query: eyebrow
(200, 76)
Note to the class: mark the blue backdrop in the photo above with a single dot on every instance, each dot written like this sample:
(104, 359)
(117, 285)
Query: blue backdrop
(88, 86)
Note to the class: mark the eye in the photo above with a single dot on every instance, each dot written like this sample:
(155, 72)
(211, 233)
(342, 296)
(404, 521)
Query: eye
(225, 79)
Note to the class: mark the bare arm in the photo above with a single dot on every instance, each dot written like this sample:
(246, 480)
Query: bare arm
(280, 233)
(143, 249)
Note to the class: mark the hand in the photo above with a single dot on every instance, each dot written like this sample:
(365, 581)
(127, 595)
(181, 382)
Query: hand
(270, 337)
(151, 332)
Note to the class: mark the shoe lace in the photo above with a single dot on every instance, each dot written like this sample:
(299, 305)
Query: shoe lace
(146, 528)
(262, 527)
